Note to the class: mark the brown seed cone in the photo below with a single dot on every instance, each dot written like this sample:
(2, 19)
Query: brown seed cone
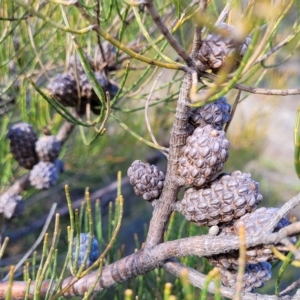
(47, 148)
(22, 144)
(254, 223)
(216, 114)
(147, 180)
(223, 49)
(64, 88)
(203, 156)
(255, 276)
(227, 198)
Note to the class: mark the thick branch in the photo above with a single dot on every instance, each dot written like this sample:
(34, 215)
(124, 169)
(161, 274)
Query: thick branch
(148, 259)
(179, 134)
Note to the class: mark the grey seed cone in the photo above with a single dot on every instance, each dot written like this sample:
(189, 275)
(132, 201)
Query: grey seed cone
(47, 148)
(147, 180)
(203, 156)
(225, 199)
(255, 276)
(63, 88)
(83, 248)
(43, 175)
(22, 144)
(11, 205)
(223, 49)
(216, 114)
(254, 223)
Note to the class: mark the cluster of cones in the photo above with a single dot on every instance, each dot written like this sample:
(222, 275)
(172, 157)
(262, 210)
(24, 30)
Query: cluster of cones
(218, 200)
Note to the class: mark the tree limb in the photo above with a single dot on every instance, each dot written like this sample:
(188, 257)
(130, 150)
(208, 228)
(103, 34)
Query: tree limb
(146, 260)
(179, 134)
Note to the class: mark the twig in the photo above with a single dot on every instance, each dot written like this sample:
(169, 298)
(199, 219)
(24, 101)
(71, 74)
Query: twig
(37, 242)
(291, 287)
(224, 14)
(283, 211)
(64, 131)
(165, 31)
(197, 29)
(125, 49)
(279, 46)
(254, 90)
(235, 104)
(179, 133)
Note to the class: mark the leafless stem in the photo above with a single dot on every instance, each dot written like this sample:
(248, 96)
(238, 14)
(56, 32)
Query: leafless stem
(283, 211)
(279, 46)
(235, 104)
(198, 28)
(165, 31)
(291, 287)
(179, 133)
(224, 14)
(64, 131)
(254, 90)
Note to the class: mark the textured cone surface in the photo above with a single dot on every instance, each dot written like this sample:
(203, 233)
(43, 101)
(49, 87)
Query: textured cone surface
(255, 276)
(227, 198)
(63, 88)
(216, 114)
(147, 180)
(223, 49)
(254, 222)
(47, 148)
(203, 156)
(11, 205)
(43, 175)
(83, 247)
(22, 144)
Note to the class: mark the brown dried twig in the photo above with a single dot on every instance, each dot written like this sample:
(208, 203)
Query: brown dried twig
(255, 90)
(197, 39)
(165, 31)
